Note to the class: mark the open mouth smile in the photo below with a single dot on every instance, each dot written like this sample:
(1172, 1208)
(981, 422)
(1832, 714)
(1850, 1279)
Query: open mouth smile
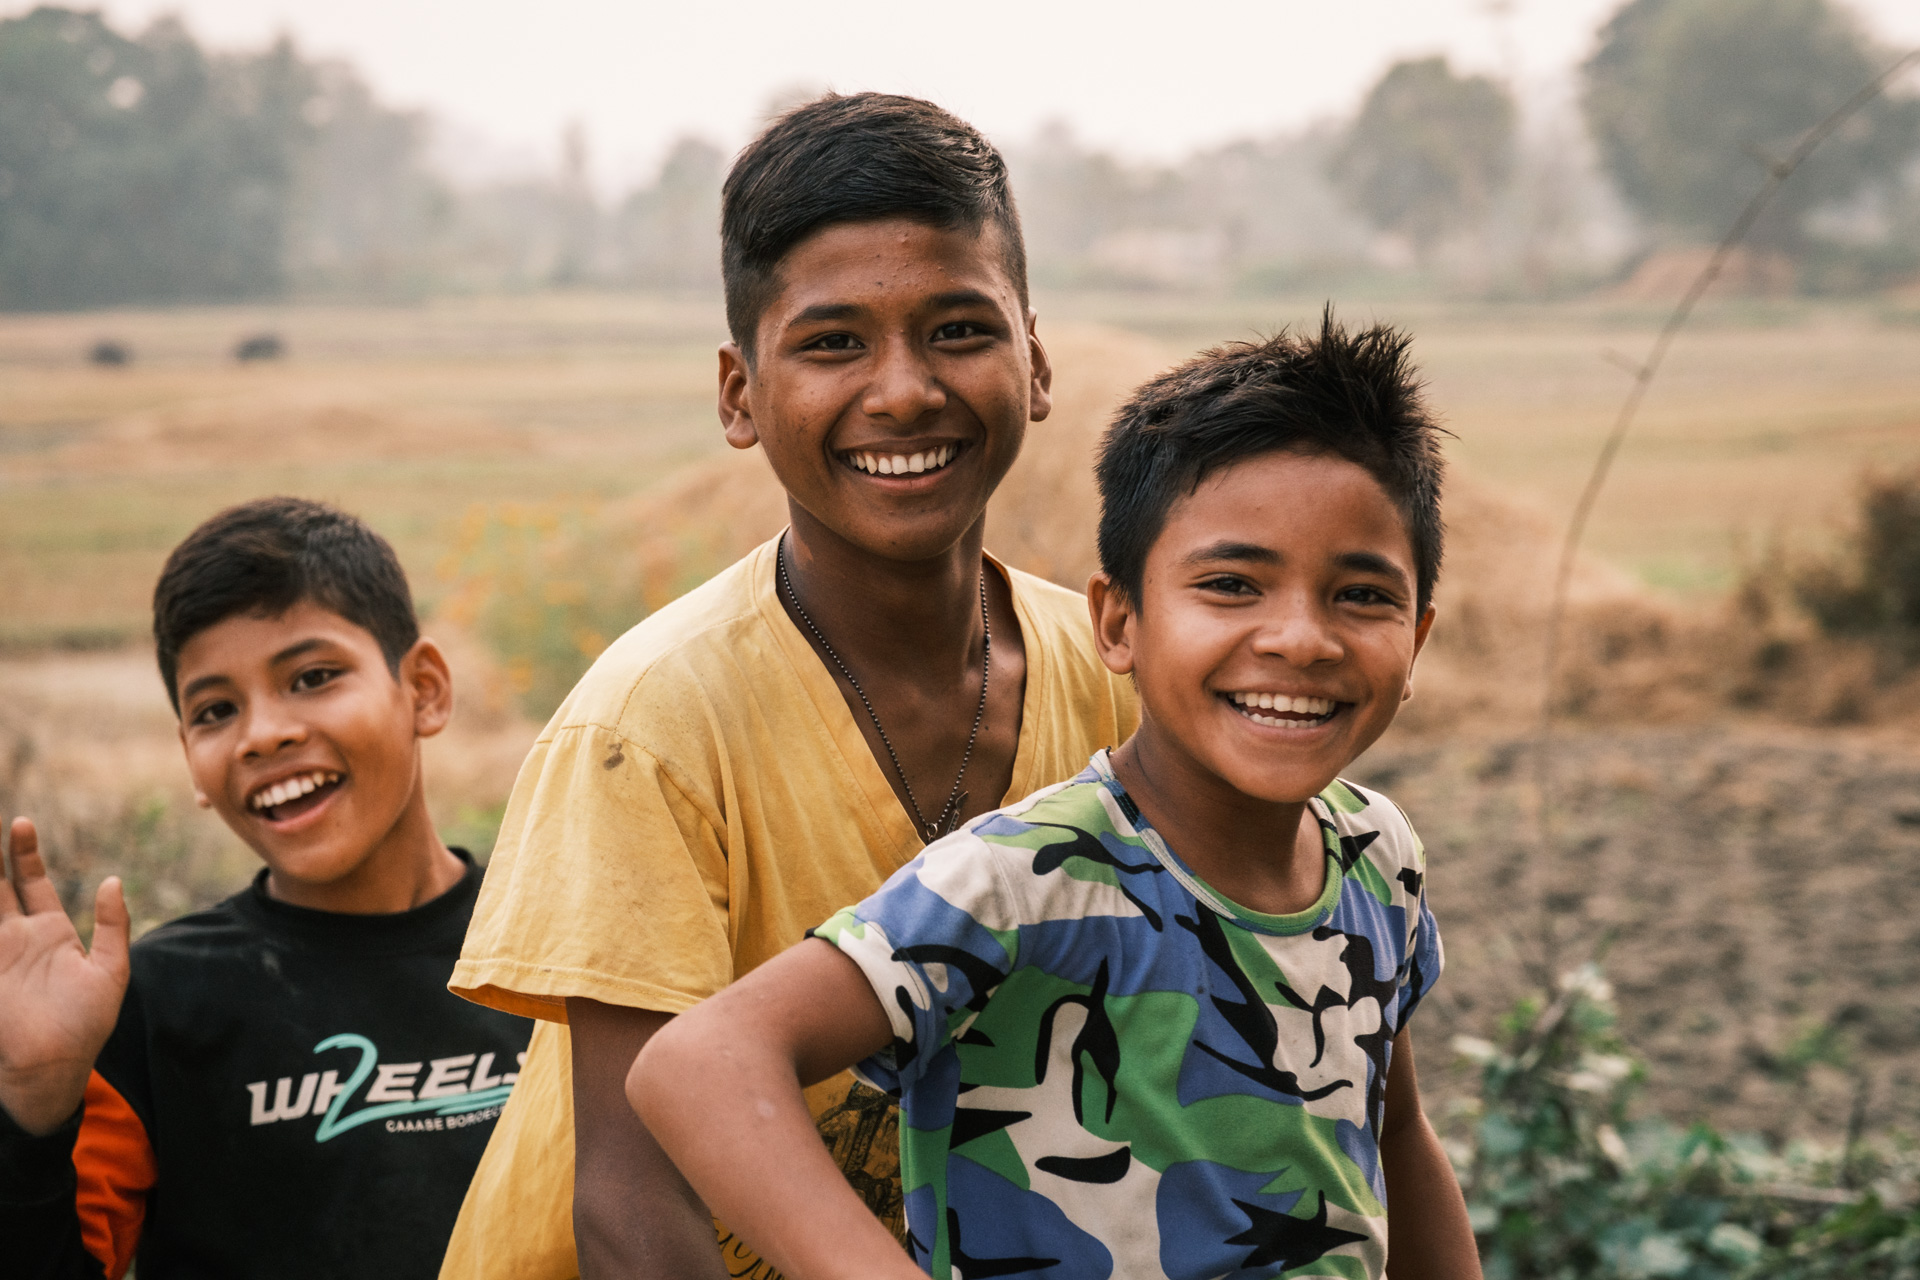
(1278, 710)
(901, 464)
(291, 797)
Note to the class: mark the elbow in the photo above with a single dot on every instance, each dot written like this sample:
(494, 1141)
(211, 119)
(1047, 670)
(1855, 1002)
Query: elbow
(653, 1067)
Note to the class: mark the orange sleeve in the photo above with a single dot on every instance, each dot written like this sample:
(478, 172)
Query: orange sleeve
(113, 1162)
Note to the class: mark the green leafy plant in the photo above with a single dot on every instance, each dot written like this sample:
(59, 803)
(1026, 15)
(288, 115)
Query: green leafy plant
(1563, 1183)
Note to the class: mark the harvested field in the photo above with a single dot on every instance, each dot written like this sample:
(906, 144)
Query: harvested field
(1736, 805)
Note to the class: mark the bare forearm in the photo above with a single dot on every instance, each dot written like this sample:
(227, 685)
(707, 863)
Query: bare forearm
(726, 1078)
(1428, 1236)
(707, 1102)
(633, 1214)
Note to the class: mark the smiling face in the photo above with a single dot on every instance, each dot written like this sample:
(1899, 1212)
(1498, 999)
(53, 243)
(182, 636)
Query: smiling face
(1276, 628)
(305, 743)
(893, 380)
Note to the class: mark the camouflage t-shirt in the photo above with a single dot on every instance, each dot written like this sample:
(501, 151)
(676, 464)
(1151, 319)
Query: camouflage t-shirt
(1107, 1069)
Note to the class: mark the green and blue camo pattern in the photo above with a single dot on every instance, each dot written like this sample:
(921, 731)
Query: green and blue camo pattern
(1106, 1069)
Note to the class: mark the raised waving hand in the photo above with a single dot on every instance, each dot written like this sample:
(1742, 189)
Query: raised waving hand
(58, 1003)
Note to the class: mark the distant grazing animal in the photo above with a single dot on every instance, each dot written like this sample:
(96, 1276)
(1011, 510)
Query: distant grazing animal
(108, 352)
(260, 346)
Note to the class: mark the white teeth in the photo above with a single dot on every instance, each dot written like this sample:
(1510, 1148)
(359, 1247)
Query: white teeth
(291, 788)
(1281, 702)
(896, 464)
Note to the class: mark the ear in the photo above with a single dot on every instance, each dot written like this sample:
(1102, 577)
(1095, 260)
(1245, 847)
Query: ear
(1113, 617)
(1040, 399)
(736, 397)
(424, 673)
(1421, 630)
(200, 797)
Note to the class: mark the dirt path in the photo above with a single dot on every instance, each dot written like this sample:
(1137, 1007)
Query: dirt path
(1753, 891)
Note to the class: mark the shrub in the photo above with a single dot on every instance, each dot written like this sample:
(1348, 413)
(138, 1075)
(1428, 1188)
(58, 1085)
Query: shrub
(1562, 1184)
(1872, 586)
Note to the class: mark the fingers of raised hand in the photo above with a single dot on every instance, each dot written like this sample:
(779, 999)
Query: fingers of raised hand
(111, 926)
(28, 870)
(22, 838)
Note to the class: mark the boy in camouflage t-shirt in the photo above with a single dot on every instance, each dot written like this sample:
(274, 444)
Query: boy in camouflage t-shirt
(1151, 1021)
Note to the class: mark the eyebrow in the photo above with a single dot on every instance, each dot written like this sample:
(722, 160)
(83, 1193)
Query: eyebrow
(826, 311)
(1244, 552)
(962, 298)
(1372, 562)
(299, 647)
(1253, 553)
(287, 654)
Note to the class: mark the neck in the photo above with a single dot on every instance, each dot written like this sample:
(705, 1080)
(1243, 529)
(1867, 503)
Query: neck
(408, 867)
(1262, 854)
(913, 617)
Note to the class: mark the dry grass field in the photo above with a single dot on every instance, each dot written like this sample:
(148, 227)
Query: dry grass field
(1738, 805)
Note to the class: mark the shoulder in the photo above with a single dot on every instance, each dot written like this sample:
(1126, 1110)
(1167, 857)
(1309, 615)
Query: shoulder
(198, 935)
(1058, 616)
(1053, 855)
(1062, 656)
(1377, 842)
(697, 639)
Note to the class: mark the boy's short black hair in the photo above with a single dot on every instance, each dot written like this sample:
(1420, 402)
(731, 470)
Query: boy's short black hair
(855, 158)
(1355, 395)
(264, 557)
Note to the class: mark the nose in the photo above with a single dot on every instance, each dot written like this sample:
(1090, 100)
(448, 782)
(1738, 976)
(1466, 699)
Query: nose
(267, 728)
(904, 388)
(1300, 632)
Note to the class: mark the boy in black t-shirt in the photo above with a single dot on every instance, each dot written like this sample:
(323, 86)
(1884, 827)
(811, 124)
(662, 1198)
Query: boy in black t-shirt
(280, 1085)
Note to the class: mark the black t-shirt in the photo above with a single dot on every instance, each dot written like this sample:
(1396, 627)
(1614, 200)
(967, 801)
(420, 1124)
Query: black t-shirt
(312, 1100)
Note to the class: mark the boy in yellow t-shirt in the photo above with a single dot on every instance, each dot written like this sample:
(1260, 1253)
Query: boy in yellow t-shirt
(782, 739)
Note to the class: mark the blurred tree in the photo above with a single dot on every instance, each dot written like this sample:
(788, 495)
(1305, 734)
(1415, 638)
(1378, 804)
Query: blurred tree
(147, 170)
(1688, 99)
(1428, 151)
(368, 218)
(140, 169)
(669, 233)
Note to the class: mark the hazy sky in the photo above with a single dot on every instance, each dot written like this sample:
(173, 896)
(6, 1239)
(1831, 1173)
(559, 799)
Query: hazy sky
(1146, 78)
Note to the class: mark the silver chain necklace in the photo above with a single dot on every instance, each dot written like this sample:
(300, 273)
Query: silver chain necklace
(949, 816)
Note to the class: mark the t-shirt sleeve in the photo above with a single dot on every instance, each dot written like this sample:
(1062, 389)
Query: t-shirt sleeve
(926, 945)
(1424, 956)
(609, 882)
(1424, 961)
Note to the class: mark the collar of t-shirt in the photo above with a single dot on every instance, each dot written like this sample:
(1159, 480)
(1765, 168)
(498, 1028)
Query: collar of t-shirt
(429, 926)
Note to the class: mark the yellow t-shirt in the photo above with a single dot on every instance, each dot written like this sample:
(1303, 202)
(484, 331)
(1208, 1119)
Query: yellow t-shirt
(702, 799)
